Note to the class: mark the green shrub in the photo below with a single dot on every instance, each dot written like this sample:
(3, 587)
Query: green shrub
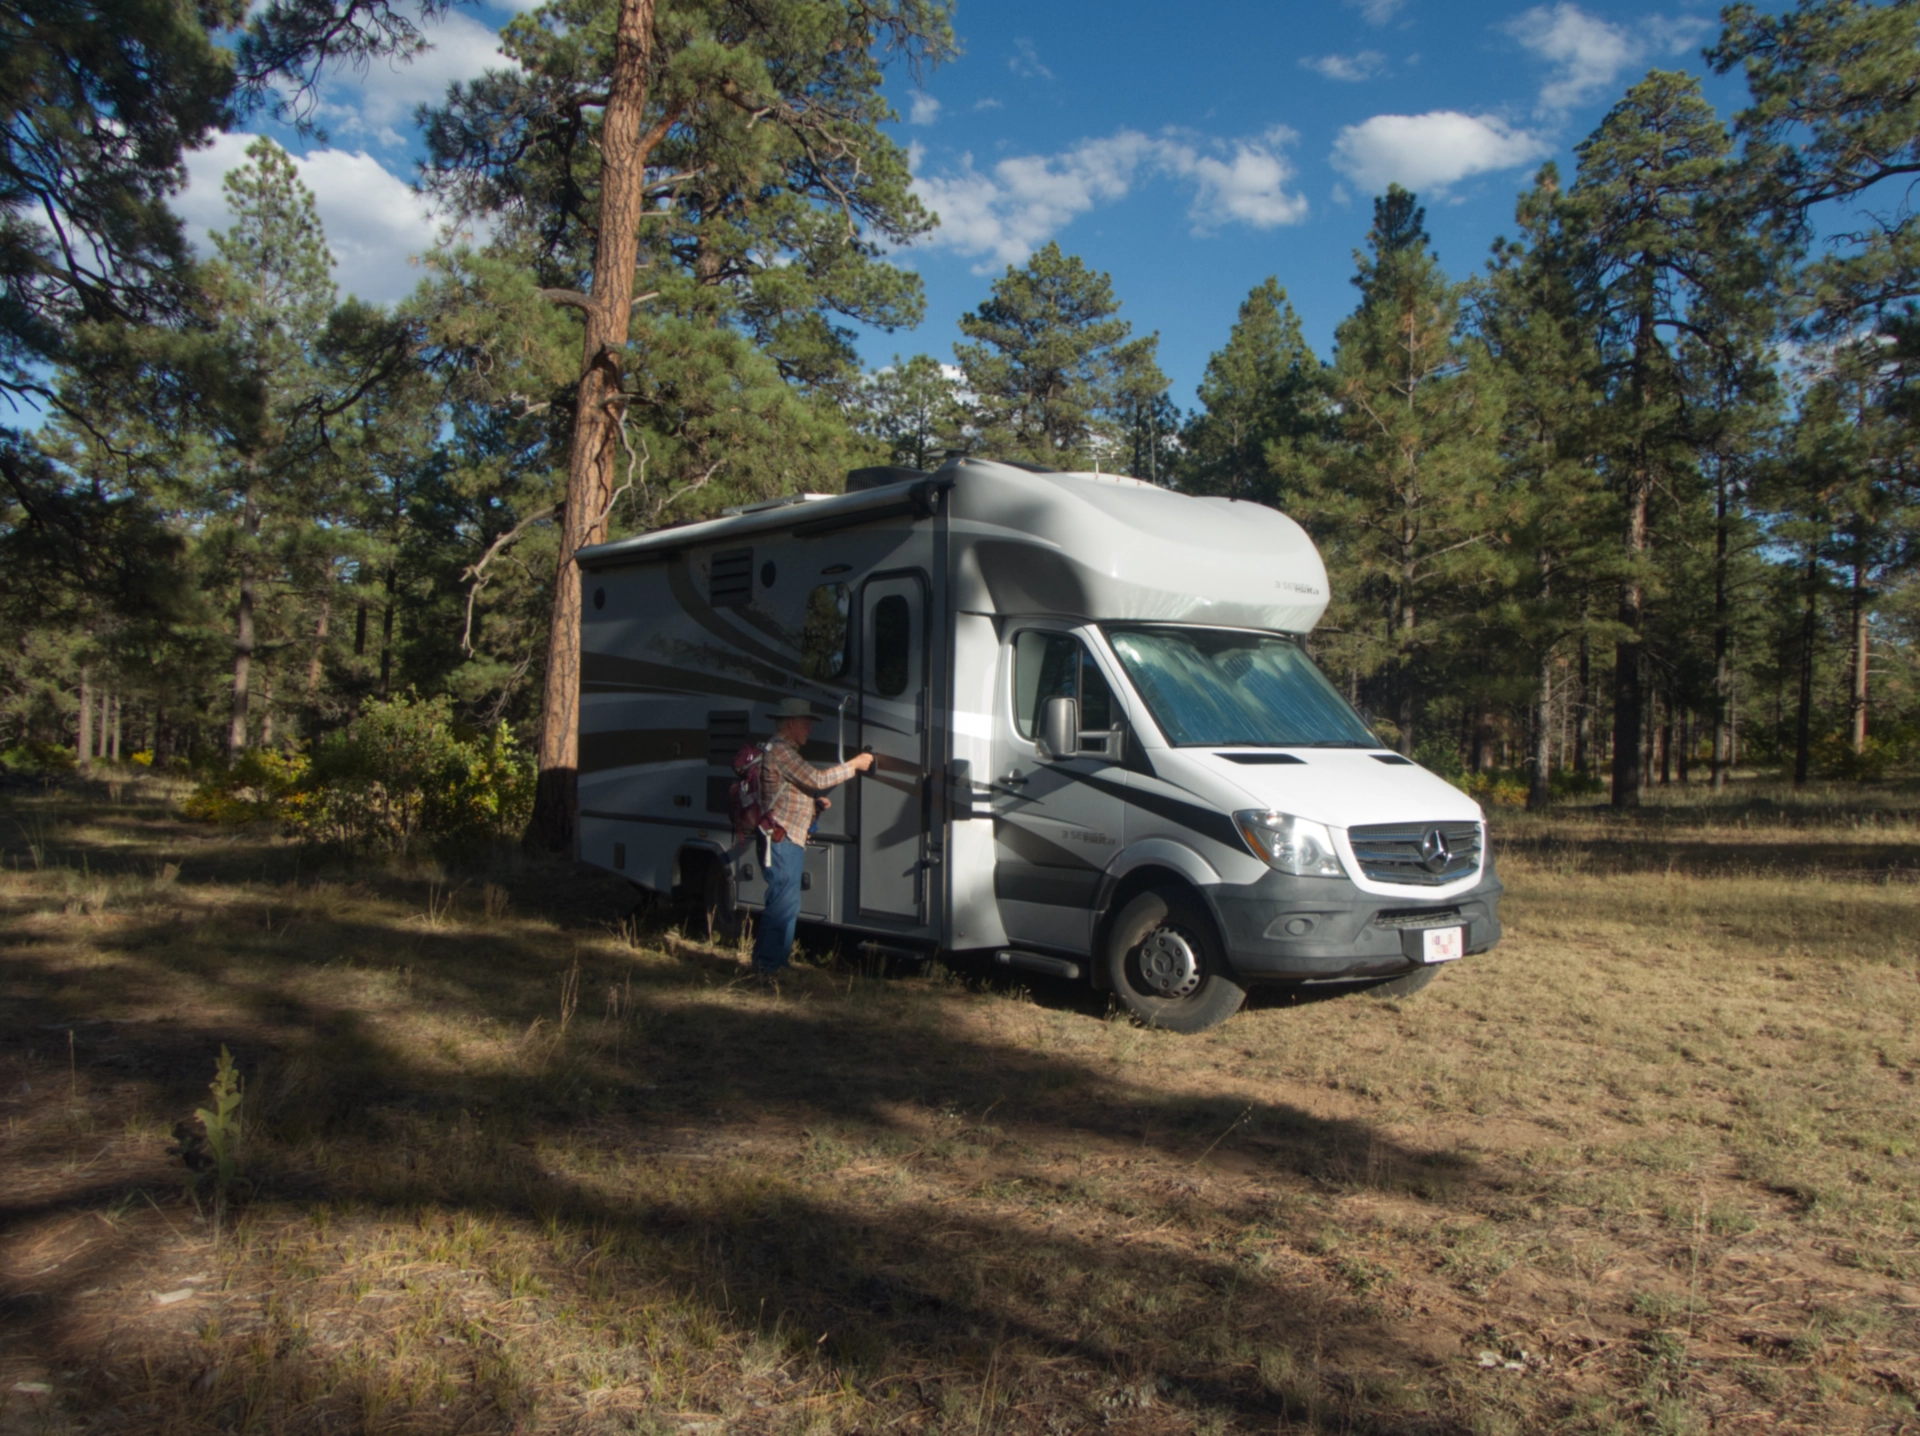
(1833, 756)
(35, 759)
(403, 772)
(255, 789)
(1566, 783)
(1495, 789)
(1439, 755)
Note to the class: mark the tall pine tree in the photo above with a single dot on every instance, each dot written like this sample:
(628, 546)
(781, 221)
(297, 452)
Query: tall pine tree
(1403, 496)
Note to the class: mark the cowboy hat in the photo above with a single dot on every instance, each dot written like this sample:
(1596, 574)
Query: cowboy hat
(793, 708)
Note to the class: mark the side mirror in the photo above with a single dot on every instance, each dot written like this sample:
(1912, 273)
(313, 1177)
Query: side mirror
(1059, 729)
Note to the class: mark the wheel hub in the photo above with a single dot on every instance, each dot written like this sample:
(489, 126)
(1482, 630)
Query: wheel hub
(1169, 964)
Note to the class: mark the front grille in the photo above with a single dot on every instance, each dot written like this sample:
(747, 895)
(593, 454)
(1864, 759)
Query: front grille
(1412, 852)
(1415, 918)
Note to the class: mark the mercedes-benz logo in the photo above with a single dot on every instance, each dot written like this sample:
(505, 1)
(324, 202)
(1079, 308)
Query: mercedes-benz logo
(1434, 852)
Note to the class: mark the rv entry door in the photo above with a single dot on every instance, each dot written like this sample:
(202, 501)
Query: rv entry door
(893, 723)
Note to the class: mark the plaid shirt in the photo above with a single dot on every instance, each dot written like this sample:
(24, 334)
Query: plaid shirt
(793, 805)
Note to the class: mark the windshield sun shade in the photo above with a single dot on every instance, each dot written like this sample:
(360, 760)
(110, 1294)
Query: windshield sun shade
(1217, 687)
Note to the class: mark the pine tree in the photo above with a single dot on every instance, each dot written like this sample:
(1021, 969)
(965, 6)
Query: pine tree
(1672, 255)
(1053, 372)
(1534, 320)
(912, 407)
(1402, 497)
(1263, 395)
(733, 152)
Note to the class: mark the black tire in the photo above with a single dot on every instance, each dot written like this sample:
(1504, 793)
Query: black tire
(1404, 985)
(707, 912)
(1165, 964)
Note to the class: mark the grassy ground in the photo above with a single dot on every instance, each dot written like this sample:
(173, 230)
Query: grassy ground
(510, 1165)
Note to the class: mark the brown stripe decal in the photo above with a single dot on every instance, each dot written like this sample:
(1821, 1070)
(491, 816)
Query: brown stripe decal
(632, 747)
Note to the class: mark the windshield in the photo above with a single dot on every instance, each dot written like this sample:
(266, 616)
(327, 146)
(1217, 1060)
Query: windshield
(1219, 688)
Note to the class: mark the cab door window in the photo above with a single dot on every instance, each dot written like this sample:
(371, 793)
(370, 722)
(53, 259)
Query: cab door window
(1057, 665)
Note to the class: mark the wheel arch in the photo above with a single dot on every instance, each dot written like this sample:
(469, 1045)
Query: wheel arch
(1153, 864)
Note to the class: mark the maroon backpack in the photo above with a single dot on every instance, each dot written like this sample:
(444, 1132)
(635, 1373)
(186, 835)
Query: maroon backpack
(744, 807)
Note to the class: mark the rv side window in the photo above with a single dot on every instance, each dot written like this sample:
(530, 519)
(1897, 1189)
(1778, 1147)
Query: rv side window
(823, 633)
(892, 646)
(1057, 665)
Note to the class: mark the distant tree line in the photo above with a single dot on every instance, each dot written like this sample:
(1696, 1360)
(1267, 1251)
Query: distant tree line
(1632, 505)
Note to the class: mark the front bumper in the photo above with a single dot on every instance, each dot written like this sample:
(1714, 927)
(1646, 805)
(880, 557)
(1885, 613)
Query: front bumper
(1284, 928)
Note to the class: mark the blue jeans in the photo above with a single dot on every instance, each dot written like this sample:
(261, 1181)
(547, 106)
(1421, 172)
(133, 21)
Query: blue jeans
(773, 946)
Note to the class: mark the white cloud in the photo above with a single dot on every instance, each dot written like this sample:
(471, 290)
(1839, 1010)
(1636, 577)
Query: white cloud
(1432, 151)
(1007, 212)
(1678, 35)
(1375, 12)
(1025, 62)
(375, 223)
(377, 106)
(1247, 186)
(989, 103)
(1587, 54)
(923, 109)
(1363, 66)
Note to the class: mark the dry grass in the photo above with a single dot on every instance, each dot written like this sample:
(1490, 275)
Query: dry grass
(513, 1164)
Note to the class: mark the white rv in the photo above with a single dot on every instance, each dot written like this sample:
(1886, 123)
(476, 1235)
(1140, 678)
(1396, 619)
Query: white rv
(1102, 749)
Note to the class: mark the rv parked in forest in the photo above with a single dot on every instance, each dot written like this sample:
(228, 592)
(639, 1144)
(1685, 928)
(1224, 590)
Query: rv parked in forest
(1102, 748)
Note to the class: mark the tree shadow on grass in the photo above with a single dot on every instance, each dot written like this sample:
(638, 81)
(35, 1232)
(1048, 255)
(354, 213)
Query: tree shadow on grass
(1045, 1273)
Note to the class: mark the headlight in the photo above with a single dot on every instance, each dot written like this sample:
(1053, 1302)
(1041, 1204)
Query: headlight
(1292, 845)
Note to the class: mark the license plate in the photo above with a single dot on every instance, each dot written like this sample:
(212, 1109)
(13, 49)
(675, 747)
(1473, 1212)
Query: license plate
(1443, 944)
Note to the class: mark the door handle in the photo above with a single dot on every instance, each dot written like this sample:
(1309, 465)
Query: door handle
(1014, 780)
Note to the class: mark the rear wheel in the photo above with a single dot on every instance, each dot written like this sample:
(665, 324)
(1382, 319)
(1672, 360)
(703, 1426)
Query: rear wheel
(706, 900)
(1403, 986)
(1166, 966)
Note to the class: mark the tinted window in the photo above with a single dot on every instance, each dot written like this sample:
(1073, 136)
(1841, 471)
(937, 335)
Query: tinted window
(892, 646)
(1057, 665)
(823, 633)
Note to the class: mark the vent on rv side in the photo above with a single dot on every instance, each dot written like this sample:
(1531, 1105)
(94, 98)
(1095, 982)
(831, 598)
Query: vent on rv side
(731, 582)
(726, 734)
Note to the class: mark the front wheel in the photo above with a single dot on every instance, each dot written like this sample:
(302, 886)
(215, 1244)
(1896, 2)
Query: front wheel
(1166, 966)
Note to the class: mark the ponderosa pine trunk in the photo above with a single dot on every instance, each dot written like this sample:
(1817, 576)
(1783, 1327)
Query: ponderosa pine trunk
(1858, 698)
(1540, 790)
(1722, 638)
(1628, 697)
(243, 633)
(1803, 722)
(83, 746)
(1583, 719)
(624, 147)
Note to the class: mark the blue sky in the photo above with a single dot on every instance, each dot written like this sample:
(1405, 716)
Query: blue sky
(1187, 153)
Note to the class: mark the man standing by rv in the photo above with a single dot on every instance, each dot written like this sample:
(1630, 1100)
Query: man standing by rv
(793, 794)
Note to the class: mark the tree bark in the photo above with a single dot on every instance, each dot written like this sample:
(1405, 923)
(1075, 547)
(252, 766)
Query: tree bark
(243, 634)
(386, 634)
(596, 419)
(116, 728)
(83, 747)
(1583, 719)
(1628, 697)
(1540, 790)
(1722, 638)
(1803, 724)
(1858, 698)
(319, 646)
